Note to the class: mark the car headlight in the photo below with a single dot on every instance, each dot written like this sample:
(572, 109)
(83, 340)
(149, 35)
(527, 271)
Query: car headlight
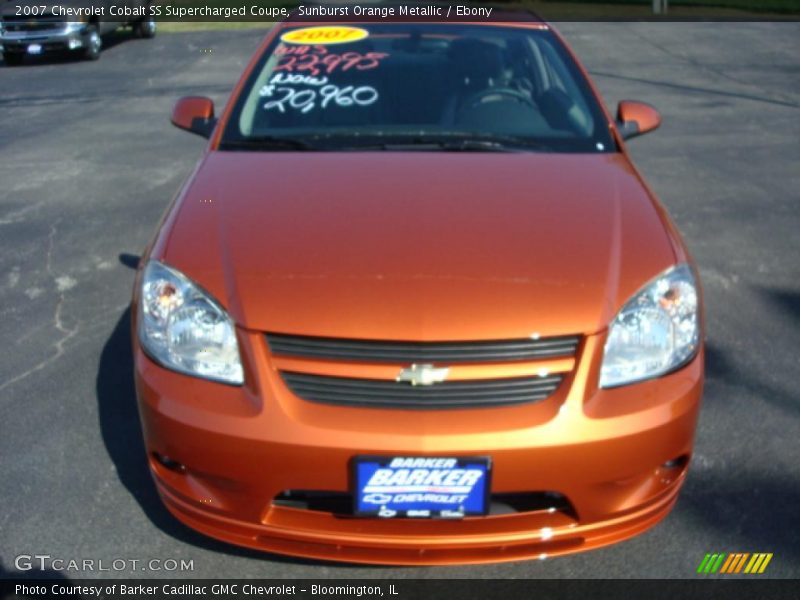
(75, 25)
(656, 331)
(184, 329)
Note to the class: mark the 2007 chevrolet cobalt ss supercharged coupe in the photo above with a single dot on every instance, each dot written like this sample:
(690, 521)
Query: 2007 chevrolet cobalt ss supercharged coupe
(416, 306)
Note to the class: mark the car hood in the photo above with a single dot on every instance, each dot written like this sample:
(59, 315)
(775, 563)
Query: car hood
(417, 245)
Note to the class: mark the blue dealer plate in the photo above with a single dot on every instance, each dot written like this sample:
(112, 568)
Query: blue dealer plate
(421, 487)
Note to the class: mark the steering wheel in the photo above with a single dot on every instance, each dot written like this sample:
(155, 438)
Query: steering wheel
(478, 97)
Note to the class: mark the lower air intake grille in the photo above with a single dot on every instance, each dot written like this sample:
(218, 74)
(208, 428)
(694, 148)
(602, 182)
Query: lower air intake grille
(391, 394)
(341, 503)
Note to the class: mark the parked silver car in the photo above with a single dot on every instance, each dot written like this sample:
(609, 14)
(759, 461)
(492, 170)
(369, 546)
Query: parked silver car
(28, 29)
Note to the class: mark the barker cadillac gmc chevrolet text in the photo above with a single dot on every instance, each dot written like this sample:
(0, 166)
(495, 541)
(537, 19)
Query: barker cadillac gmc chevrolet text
(415, 305)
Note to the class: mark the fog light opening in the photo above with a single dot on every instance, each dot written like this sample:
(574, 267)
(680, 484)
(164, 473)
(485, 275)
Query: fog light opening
(676, 463)
(169, 463)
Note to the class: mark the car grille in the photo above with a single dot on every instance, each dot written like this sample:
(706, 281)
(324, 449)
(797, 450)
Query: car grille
(541, 365)
(416, 352)
(19, 24)
(392, 394)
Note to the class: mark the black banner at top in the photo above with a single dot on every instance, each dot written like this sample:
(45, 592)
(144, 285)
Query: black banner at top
(277, 10)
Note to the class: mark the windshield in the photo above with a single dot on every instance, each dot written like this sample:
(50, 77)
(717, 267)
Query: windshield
(394, 86)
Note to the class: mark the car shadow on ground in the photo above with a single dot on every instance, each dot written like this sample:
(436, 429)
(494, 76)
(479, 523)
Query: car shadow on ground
(723, 366)
(121, 431)
(720, 367)
(742, 505)
(788, 301)
(30, 570)
(738, 499)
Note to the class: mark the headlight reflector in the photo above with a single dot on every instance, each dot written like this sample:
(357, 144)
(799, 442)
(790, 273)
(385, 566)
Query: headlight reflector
(655, 332)
(184, 329)
(71, 26)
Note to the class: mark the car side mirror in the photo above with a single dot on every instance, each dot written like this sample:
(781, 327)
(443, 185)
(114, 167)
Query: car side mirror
(636, 118)
(194, 114)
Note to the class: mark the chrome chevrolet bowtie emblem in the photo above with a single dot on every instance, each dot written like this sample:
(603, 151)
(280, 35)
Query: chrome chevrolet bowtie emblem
(423, 374)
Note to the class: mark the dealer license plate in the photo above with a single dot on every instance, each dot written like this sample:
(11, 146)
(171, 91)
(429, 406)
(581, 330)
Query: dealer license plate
(421, 487)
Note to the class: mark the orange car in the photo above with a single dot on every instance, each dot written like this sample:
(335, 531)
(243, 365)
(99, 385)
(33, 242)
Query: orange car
(416, 306)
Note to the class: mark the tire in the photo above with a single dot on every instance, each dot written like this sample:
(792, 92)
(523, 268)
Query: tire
(94, 43)
(13, 59)
(146, 28)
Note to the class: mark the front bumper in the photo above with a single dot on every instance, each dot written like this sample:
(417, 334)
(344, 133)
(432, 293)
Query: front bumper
(220, 455)
(50, 40)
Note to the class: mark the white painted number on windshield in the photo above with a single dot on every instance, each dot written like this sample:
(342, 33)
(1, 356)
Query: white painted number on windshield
(315, 91)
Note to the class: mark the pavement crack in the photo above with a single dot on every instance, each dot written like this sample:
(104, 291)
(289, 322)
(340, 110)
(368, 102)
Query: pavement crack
(48, 262)
(59, 352)
(16, 216)
(67, 333)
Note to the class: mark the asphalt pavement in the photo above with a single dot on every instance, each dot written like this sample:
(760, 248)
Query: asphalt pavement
(89, 161)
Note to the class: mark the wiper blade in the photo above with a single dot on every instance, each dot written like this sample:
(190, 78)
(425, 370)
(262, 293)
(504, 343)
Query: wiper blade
(423, 145)
(267, 142)
(467, 141)
(448, 142)
(478, 145)
(455, 141)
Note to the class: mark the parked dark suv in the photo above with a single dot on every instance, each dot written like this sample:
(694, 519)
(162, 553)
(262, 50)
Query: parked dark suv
(30, 29)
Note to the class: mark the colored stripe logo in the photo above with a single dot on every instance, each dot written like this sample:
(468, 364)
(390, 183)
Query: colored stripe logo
(737, 562)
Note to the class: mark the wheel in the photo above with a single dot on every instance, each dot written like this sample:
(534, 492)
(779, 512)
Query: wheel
(146, 28)
(13, 59)
(93, 43)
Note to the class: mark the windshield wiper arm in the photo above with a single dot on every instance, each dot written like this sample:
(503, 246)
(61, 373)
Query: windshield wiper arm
(467, 141)
(455, 141)
(268, 142)
(477, 145)
(448, 142)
